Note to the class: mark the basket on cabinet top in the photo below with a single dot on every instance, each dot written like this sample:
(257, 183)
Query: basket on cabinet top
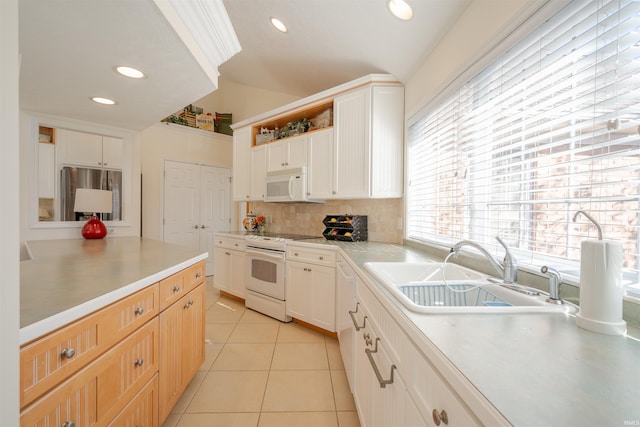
(347, 228)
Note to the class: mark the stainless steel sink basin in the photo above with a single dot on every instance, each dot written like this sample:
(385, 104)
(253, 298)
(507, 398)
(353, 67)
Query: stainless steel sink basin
(433, 287)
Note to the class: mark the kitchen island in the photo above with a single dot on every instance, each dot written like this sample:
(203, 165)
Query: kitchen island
(112, 330)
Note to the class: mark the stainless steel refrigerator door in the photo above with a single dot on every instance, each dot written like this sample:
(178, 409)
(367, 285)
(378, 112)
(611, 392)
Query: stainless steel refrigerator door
(72, 178)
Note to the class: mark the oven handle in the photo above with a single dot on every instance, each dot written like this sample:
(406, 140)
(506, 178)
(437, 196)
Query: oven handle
(260, 253)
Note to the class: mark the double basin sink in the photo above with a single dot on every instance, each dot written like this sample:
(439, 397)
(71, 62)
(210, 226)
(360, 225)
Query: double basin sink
(435, 287)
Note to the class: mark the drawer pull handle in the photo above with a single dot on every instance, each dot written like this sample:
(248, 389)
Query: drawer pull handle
(176, 289)
(295, 254)
(138, 362)
(139, 310)
(189, 304)
(439, 417)
(353, 319)
(68, 424)
(198, 275)
(321, 257)
(383, 383)
(68, 353)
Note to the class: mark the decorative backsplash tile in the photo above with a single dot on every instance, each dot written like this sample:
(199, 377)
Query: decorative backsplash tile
(384, 216)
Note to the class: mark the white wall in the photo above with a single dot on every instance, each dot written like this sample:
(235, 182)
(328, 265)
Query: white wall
(9, 214)
(242, 101)
(162, 142)
(30, 229)
(480, 27)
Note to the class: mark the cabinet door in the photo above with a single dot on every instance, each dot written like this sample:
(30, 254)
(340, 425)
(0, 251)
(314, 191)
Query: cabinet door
(277, 156)
(79, 148)
(352, 126)
(297, 151)
(238, 271)
(221, 279)
(242, 164)
(193, 350)
(142, 410)
(320, 164)
(46, 171)
(258, 173)
(298, 290)
(322, 298)
(112, 152)
(171, 379)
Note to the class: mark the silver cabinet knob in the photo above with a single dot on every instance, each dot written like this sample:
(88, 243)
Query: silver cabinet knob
(68, 353)
(176, 289)
(138, 362)
(198, 275)
(196, 226)
(139, 310)
(440, 417)
(203, 226)
(68, 424)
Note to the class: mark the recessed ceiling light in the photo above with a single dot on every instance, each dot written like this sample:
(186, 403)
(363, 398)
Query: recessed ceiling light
(105, 101)
(400, 9)
(130, 72)
(278, 24)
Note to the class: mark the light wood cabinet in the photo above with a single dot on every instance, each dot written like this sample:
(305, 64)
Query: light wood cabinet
(97, 392)
(182, 352)
(105, 369)
(53, 358)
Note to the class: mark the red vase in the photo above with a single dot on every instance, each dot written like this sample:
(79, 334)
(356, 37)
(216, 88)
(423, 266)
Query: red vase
(94, 229)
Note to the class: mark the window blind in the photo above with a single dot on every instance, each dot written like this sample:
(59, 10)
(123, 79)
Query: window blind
(549, 128)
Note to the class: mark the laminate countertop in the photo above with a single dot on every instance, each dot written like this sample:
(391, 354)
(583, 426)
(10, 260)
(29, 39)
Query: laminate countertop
(68, 279)
(536, 369)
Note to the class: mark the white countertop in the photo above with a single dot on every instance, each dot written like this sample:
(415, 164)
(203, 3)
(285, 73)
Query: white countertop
(68, 279)
(535, 369)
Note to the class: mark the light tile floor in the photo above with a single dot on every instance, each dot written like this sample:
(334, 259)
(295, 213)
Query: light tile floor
(260, 372)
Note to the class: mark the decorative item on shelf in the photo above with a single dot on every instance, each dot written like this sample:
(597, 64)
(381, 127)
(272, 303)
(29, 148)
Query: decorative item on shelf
(223, 123)
(250, 222)
(261, 223)
(205, 122)
(91, 202)
(347, 228)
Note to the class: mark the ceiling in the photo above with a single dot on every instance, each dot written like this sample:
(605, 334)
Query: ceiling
(69, 49)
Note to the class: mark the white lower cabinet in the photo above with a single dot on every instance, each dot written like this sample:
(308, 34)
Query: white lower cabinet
(230, 265)
(311, 286)
(395, 384)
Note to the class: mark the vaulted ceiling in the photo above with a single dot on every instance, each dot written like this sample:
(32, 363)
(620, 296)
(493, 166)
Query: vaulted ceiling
(69, 49)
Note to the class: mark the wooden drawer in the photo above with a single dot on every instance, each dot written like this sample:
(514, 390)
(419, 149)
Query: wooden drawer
(178, 285)
(100, 390)
(73, 401)
(142, 410)
(48, 361)
(313, 256)
(237, 244)
(126, 368)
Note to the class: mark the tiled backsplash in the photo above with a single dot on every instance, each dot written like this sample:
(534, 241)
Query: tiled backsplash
(385, 216)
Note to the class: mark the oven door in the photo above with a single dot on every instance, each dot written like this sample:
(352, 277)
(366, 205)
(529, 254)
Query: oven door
(265, 272)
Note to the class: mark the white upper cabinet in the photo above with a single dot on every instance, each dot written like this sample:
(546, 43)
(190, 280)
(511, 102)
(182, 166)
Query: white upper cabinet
(258, 173)
(87, 149)
(320, 161)
(289, 153)
(242, 164)
(360, 157)
(369, 129)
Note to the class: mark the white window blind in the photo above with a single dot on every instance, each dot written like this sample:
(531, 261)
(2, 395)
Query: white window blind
(551, 127)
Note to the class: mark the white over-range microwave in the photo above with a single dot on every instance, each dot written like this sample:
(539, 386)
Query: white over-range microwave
(288, 185)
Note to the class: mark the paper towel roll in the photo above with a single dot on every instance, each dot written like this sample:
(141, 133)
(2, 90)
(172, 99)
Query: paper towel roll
(601, 287)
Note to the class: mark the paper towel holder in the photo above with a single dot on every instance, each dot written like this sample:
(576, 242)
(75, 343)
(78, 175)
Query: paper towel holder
(592, 219)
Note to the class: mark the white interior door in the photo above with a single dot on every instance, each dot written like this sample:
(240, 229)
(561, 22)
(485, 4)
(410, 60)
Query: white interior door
(197, 203)
(215, 208)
